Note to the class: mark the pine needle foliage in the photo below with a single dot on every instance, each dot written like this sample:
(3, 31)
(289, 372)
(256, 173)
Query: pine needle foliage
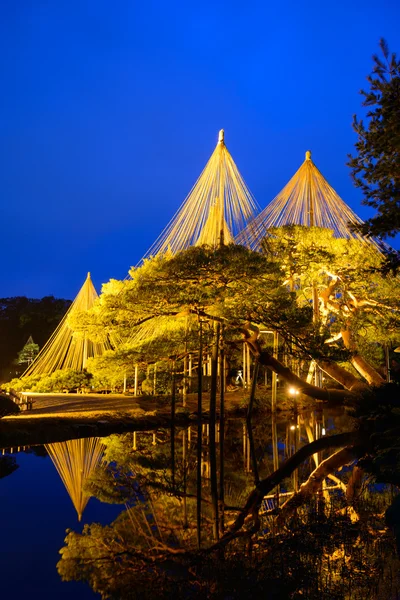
(375, 168)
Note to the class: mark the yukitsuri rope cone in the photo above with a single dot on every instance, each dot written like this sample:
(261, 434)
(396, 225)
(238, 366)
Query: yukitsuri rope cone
(307, 200)
(75, 461)
(64, 350)
(217, 208)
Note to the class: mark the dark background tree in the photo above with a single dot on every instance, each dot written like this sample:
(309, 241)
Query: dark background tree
(21, 317)
(28, 353)
(376, 166)
(8, 465)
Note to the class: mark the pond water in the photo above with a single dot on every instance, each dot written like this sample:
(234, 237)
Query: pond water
(41, 499)
(35, 512)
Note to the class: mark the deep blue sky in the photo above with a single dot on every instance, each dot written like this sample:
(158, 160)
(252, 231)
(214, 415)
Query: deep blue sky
(109, 111)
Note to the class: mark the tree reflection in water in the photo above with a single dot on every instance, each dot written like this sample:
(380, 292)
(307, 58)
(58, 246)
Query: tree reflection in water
(329, 543)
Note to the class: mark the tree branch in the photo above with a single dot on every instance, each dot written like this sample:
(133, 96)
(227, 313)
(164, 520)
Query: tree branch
(266, 359)
(269, 483)
(314, 482)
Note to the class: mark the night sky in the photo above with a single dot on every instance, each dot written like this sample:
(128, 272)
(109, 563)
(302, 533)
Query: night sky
(110, 110)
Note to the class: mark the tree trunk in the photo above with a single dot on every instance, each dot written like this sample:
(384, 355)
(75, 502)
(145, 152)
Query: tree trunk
(359, 363)
(347, 379)
(352, 384)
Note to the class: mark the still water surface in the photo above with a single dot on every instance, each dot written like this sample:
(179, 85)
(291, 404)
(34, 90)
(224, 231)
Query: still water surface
(35, 512)
(36, 509)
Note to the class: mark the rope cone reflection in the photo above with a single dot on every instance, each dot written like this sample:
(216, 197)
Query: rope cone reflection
(216, 209)
(75, 461)
(307, 200)
(65, 350)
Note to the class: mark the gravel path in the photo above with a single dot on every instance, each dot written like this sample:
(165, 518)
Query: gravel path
(50, 405)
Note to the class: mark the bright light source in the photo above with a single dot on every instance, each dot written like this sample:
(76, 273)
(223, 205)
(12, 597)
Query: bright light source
(293, 391)
(293, 427)
(323, 431)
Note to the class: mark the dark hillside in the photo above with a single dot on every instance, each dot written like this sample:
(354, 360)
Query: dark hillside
(21, 317)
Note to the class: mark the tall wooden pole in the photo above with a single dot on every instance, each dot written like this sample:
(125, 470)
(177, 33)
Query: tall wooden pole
(387, 360)
(212, 444)
(315, 298)
(222, 430)
(184, 465)
(248, 363)
(221, 188)
(244, 365)
(184, 392)
(274, 376)
(155, 379)
(296, 446)
(244, 447)
(249, 423)
(199, 430)
(173, 403)
(136, 379)
(85, 352)
(275, 454)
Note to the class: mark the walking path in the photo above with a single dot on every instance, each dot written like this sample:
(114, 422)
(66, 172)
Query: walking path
(86, 405)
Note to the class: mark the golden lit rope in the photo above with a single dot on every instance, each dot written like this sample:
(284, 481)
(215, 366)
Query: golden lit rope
(307, 200)
(219, 200)
(76, 461)
(64, 350)
(151, 331)
(211, 233)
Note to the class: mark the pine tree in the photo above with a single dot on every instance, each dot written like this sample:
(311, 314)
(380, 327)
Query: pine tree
(376, 166)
